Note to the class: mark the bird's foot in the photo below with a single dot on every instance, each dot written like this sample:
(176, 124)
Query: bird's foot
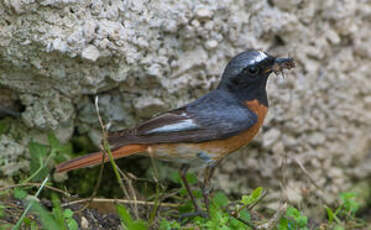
(206, 191)
(193, 214)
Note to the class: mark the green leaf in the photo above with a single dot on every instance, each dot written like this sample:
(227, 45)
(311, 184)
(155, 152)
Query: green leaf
(27, 221)
(299, 220)
(191, 178)
(72, 224)
(124, 215)
(56, 146)
(237, 225)
(37, 149)
(246, 199)
(175, 177)
(19, 193)
(197, 193)
(255, 196)
(284, 224)
(31, 224)
(349, 202)
(57, 211)
(183, 192)
(68, 213)
(128, 222)
(169, 225)
(217, 215)
(139, 225)
(38, 154)
(330, 215)
(245, 215)
(220, 199)
(186, 207)
(46, 217)
(292, 212)
(53, 141)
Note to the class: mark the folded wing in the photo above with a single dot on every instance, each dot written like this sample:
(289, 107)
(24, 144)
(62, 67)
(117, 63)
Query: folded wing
(208, 118)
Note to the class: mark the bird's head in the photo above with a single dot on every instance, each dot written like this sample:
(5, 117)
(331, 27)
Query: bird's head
(253, 67)
(247, 73)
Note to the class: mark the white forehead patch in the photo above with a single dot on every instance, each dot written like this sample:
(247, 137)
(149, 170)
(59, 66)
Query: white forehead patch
(260, 57)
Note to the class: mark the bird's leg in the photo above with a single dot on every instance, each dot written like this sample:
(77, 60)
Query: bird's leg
(198, 212)
(208, 173)
(183, 171)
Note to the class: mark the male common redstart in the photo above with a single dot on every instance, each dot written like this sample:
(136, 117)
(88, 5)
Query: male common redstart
(204, 131)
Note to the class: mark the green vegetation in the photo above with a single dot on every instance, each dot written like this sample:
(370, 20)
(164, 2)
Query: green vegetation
(248, 212)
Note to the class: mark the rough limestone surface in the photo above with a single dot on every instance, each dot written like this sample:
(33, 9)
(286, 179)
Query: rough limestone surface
(144, 57)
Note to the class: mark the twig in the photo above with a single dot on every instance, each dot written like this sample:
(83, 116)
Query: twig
(321, 196)
(42, 166)
(132, 191)
(153, 213)
(157, 200)
(283, 205)
(36, 185)
(106, 146)
(306, 173)
(99, 180)
(155, 171)
(250, 207)
(103, 200)
(275, 219)
(245, 222)
(283, 168)
(19, 222)
(106, 150)
(235, 214)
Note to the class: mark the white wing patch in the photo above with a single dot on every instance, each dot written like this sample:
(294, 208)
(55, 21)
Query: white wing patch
(258, 58)
(176, 127)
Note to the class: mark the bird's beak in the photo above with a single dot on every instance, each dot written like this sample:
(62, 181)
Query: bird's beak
(280, 64)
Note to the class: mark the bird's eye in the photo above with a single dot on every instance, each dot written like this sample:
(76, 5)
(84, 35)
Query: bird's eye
(252, 70)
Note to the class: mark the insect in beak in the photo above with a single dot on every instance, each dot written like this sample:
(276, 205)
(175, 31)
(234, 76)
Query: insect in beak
(280, 64)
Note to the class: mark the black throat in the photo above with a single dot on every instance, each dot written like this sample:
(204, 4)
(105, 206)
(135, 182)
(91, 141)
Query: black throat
(255, 91)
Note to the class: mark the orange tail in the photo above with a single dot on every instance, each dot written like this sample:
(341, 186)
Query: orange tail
(96, 158)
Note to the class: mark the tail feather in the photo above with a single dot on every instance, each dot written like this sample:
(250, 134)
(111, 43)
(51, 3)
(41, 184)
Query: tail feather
(96, 158)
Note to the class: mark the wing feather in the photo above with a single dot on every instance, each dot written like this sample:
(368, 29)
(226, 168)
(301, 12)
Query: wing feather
(217, 115)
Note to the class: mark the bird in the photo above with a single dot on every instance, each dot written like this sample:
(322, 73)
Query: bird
(203, 132)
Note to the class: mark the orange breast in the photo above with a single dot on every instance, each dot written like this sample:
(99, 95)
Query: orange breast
(215, 149)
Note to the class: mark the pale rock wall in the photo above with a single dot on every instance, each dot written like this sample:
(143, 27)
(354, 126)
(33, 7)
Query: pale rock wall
(144, 57)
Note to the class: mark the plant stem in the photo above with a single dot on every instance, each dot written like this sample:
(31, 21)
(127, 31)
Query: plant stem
(19, 222)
